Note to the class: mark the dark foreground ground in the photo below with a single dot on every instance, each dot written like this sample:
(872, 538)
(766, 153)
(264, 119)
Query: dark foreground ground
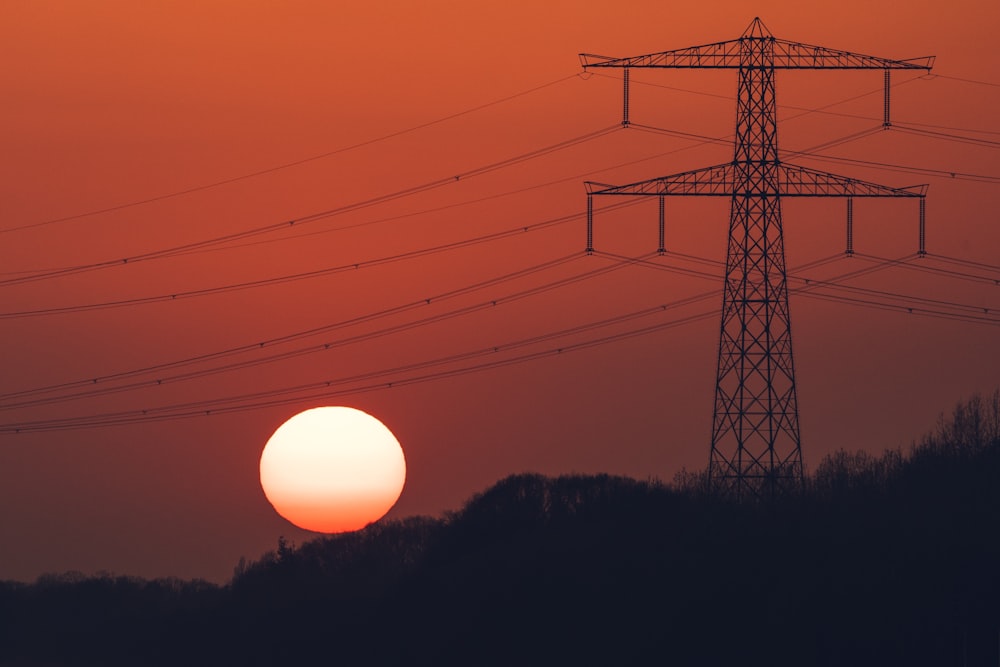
(891, 560)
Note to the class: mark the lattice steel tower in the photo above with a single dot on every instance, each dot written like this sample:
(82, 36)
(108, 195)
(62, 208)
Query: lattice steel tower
(756, 450)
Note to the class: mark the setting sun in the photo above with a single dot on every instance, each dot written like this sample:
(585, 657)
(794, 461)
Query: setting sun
(332, 469)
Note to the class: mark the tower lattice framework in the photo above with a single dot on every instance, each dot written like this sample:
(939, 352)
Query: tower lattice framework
(756, 448)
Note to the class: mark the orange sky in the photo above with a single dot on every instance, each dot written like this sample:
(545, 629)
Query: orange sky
(117, 102)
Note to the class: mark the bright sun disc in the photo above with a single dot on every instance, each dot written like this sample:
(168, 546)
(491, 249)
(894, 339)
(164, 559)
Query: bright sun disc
(332, 469)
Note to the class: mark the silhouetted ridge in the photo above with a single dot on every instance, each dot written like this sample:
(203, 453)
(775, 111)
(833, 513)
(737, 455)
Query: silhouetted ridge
(529, 501)
(882, 559)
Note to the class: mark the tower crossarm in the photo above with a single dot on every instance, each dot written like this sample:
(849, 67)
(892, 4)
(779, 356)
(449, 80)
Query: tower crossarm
(720, 180)
(723, 180)
(796, 181)
(795, 55)
(782, 54)
(720, 55)
(787, 55)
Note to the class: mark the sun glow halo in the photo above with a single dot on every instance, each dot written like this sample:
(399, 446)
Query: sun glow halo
(332, 469)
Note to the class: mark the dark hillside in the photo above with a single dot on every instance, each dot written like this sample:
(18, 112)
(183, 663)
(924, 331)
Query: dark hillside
(891, 559)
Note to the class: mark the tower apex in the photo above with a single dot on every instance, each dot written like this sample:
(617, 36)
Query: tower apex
(756, 29)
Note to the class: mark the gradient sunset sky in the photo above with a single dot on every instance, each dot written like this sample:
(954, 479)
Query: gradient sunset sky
(441, 148)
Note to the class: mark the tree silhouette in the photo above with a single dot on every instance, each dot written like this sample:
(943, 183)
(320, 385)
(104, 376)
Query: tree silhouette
(884, 559)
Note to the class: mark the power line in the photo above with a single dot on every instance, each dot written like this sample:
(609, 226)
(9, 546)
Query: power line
(293, 394)
(913, 310)
(943, 127)
(178, 295)
(946, 136)
(326, 389)
(956, 78)
(965, 308)
(231, 238)
(727, 140)
(902, 168)
(270, 228)
(321, 347)
(89, 387)
(884, 166)
(392, 218)
(950, 273)
(811, 284)
(180, 250)
(619, 262)
(900, 302)
(815, 285)
(305, 275)
(286, 165)
(825, 109)
(805, 110)
(906, 301)
(964, 262)
(575, 178)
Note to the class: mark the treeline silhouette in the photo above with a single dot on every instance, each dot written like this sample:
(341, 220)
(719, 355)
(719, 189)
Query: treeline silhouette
(889, 559)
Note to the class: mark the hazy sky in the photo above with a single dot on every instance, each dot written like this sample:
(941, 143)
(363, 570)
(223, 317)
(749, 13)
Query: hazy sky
(367, 112)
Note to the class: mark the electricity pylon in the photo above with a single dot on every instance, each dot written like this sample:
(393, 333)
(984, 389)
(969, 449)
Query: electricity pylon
(756, 449)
